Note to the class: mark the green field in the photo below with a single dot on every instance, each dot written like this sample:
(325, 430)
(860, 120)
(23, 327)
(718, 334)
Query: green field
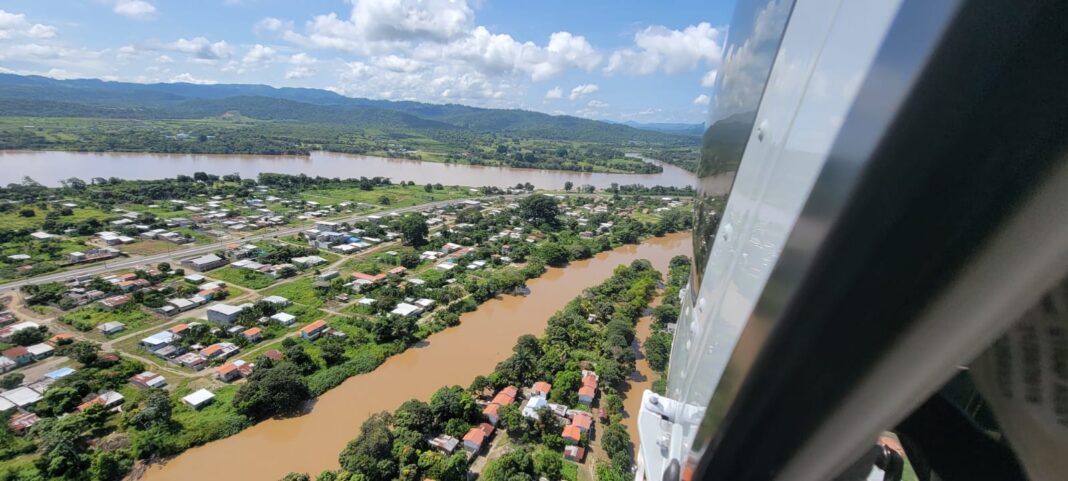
(88, 317)
(299, 291)
(246, 278)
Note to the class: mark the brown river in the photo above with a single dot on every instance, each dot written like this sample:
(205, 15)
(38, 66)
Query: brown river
(311, 443)
(50, 167)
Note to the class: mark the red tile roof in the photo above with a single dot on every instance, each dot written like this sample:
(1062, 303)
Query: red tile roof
(589, 380)
(252, 332)
(476, 436)
(542, 386)
(274, 355)
(179, 328)
(582, 421)
(368, 277)
(587, 392)
(491, 410)
(15, 352)
(572, 433)
(311, 328)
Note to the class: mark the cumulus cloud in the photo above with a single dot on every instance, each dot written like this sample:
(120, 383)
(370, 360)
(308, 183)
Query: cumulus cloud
(582, 91)
(258, 56)
(14, 25)
(189, 78)
(555, 93)
(709, 78)
(272, 24)
(658, 48)
(702, 100)
(299, 73)
(200, 48)
(596, 104)
(302, 59)
(134, 8)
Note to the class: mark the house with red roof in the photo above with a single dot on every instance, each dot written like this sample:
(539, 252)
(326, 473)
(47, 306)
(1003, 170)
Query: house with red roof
(541, 388)
(253, 334)
(582, 421)
(572, 434)
(368, 277)
(492, 413)
(574, 453)
(22, 421)
(586, 395)
(312, 331)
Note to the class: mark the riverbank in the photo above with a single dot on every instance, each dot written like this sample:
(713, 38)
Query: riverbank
(310, 443)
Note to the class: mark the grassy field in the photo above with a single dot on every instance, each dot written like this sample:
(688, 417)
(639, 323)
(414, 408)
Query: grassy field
(246, 278)
(88, 317)
(13, 219)
(299, 291)
(150, 247)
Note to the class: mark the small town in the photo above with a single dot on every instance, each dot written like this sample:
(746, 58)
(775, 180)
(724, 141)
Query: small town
(211, 338)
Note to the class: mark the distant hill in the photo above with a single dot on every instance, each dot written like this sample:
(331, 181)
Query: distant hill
(693, 130)
(46, 97)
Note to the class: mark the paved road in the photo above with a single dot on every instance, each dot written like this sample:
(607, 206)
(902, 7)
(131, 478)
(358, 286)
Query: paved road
(201, 249)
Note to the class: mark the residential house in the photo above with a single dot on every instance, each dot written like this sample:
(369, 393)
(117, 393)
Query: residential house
(148, 380)
(284, 319)
(278, 301)
(308, 261)
(444, 443)
(158, 340)
(541, 388)
(228, 372)
(20, 355)
(586, 395)
(108, 399)
(221, 350)
(476, 437)
(404, 309)
(192, 360)
(111, 327)
(114, 302)
(533, 405)
(253, 334)
(5, 366)
(7, 332)
(492, 413)
(224, 313)
(572, 434)
(574, 453)
(21, 396)
(40, 351)
(204, 263)
(312, 331)
(21, 422)
(198, 399)
(582, 420)
(274, 355)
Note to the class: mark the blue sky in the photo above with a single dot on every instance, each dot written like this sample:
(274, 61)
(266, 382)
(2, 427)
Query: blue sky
(648, 61)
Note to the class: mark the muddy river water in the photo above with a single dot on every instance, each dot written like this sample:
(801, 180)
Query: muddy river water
(50, 167)
(311, 443)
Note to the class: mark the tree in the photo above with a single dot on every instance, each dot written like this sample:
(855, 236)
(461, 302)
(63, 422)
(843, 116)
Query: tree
(155, 409)
(479, 385)
(28, 337)
(658, 350)
(270, 391)
(540, 209)
(414, 229)
(332, 350)
(384, 200)
(164, 267)
(547, 463)
(12, 380)
(370, 454)
(109, 465)
(452, 402)
(296, 477)
(84, 352)
(296, 355)
(415, 415)
(615, 440)
(568, 186)
(514, 466)
(552, 253)
(428, 188)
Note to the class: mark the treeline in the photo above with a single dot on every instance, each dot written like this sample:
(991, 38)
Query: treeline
(657, 347)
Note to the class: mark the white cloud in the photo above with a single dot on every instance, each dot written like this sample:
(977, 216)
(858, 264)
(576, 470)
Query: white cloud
(659, 48)
(394, 63)
(189, 78)
(583, 90)
(258, 56)
(555, 93)
(709, 78)
(299, 73)
(127, 53)
(302, 59)
(134, 8)
(272, 24)
(702, 100)
(401, 20)
(14, 25)
(164, 59)
(200, 48)
(596, 104)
